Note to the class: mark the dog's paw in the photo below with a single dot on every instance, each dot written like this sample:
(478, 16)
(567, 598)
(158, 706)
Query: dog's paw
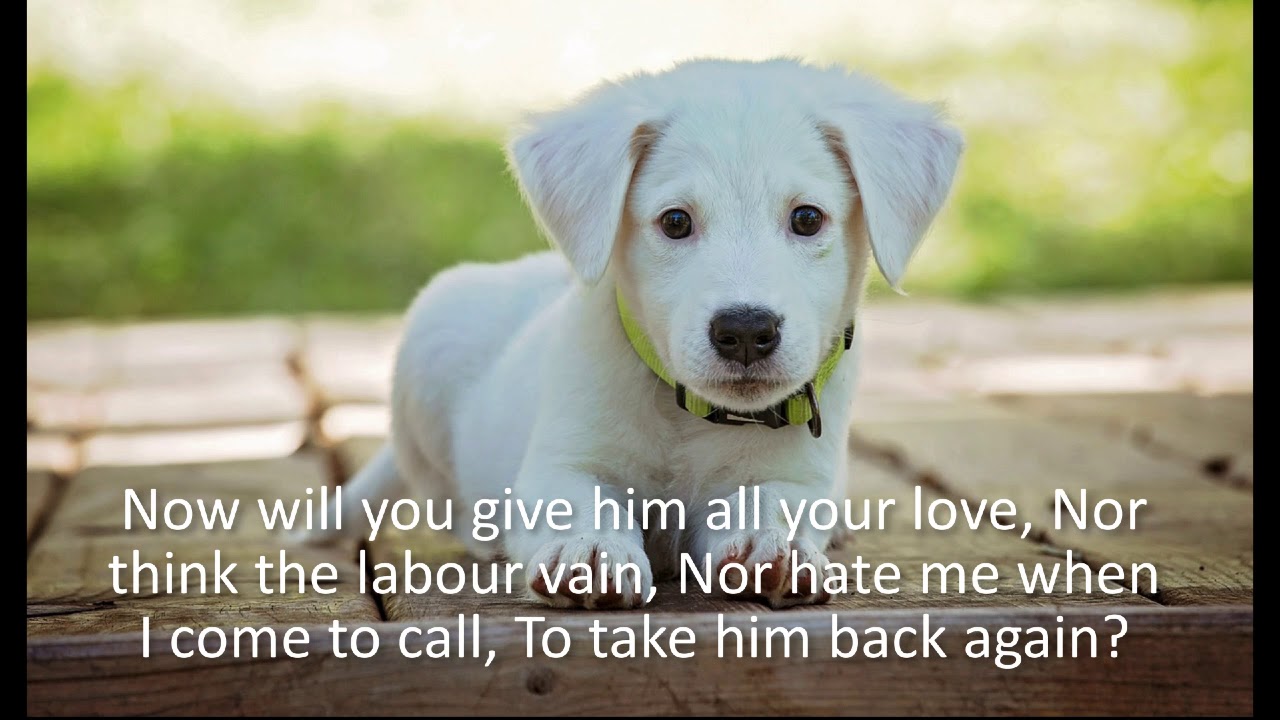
(767, 554)
(550, 574)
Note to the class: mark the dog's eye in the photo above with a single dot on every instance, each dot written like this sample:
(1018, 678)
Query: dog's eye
(676, 224)
(806, 220)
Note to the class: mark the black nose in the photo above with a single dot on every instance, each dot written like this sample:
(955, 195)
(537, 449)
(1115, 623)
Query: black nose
(745, 334)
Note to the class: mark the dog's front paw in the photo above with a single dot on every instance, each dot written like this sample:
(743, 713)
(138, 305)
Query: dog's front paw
(620, 575)
(766, 555)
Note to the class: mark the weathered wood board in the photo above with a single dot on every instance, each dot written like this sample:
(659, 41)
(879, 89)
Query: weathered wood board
(1170, 662)
(218, 396)
(41, 489)
(71, 588)
(1198, 534)
(350, 359)
(1213, 432)
(174, 446)
(1141, 397)
(74, 355)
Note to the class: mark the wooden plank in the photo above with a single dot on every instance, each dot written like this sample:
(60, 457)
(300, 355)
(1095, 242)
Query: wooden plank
(910, 550)
(927, 330)
(94, 505)
(1076, 372)
(1170, 662)
(79, 356)
(65, 354)
(69, 581)
(219, 395)
(70, 592)
(193, 445)
(933, 332)
(75, 569)
(1215, 432)
(54, 452)
(159, 375)
(1161, 341)
(1141, 321)
(349, 359)
(1198, 535)
(1198, 340)
(907, 343)
(1213, 364)
(1207, 365)
(169, 351)
(355, 420)
(885, 408)
(40, 494)
(355, 452)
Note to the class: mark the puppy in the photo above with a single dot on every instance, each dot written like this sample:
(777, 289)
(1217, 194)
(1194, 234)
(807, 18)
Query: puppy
(695, 332)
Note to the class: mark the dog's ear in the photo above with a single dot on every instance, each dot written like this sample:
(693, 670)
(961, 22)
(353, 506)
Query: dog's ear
(574, 167)
(902, 157)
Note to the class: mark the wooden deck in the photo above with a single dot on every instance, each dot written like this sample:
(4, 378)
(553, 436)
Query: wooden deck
(1136, 397)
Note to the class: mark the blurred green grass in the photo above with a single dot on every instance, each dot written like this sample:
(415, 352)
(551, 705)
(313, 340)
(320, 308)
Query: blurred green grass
(221, 216)
(1126, 173)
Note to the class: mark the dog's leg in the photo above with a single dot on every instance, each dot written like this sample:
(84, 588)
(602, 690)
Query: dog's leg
(378, 480)
(553, 558)
(753, 548)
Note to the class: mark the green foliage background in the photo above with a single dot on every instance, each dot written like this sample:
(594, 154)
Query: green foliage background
(1122, 172)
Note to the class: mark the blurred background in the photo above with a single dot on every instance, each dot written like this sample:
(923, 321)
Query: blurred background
(226, 157)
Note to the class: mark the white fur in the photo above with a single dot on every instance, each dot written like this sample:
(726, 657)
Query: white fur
(518, 375)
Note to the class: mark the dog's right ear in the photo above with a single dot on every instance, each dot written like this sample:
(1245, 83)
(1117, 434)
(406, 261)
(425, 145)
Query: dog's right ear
(574, 167)
(902, 157)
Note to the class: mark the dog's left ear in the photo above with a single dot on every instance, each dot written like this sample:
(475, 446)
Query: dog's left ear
(574, 167)
(902, 156)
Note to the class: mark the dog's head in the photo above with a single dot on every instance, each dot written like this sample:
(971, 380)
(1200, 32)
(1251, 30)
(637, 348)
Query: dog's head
(736, 204)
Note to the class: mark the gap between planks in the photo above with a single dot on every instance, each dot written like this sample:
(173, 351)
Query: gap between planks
(954, 454)
(892, 460)
(1219, 466)
(317, 406)
(57, 489)
(378, 601)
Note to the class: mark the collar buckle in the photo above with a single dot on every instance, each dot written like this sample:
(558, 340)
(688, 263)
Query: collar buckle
(774, 417)
(769, 418)
(815, 418)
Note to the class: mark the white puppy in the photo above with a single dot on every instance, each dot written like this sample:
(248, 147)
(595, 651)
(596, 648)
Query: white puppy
(726, 209)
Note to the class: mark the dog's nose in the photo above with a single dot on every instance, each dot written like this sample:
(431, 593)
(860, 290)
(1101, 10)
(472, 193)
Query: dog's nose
(745, 334)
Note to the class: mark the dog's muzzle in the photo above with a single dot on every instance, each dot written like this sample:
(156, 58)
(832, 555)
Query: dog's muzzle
(800, 408)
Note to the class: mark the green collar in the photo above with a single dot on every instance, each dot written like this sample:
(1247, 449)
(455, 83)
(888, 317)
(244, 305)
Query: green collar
(800, 408)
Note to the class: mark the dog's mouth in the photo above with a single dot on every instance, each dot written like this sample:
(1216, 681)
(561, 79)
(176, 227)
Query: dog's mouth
(748, 393)
(748, 387)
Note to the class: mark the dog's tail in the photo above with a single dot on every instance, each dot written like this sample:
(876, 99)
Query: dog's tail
(376, 481)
